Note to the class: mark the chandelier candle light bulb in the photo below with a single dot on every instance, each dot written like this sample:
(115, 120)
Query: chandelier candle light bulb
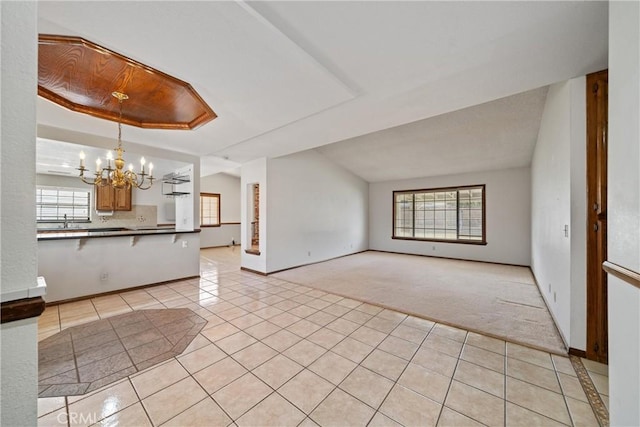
(117, 177)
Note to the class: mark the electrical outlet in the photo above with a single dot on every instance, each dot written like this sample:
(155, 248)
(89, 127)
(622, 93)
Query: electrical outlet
(104, 276)
(185, 244)
(554, 297)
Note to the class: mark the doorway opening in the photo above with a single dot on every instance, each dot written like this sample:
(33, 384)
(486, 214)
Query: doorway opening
(253, 205)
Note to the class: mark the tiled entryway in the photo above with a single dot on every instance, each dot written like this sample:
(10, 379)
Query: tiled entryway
(84, 358)
(275, 353)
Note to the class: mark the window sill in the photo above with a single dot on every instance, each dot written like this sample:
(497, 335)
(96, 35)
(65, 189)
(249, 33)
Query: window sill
(464, 242)
(252, 251)
(209, 225)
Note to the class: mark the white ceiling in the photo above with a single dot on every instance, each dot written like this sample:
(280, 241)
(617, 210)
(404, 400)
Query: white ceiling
(289, 76)
(62, 158)
(497, 135)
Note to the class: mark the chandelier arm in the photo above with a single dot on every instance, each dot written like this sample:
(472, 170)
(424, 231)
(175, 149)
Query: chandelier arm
(147, 187)
(87, 182)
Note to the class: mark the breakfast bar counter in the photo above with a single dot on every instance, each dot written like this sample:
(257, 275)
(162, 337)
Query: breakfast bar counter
(81, 263)
(110, 232)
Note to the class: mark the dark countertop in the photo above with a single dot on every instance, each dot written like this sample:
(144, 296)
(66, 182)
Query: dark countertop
(84, 234)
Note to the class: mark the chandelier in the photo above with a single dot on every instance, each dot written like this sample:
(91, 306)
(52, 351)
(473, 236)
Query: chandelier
(118, 177)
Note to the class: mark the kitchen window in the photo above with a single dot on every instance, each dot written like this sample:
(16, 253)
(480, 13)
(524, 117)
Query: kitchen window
(55, 204)
(209, 210)
(455, 214)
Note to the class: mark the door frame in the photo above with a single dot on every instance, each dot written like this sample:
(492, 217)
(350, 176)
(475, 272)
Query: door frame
(597, 130)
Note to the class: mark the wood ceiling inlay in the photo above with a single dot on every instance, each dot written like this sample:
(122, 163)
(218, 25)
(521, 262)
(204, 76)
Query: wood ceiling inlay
(81, 75)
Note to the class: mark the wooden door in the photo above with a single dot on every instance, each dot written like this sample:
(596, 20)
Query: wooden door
(104, 197)
(597, 119)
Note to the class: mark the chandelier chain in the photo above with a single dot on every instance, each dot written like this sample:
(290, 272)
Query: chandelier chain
(120, 124)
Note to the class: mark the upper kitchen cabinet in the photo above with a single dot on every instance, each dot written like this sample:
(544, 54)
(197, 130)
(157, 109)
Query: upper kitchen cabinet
(109, 198)
(122, 199)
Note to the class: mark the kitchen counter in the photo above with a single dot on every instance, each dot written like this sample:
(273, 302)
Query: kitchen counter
(80, 263)
(60, 234)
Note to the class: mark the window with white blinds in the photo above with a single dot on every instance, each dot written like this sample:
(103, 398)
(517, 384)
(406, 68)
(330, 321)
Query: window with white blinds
(209, 210)
(443, 214)
(52, 204)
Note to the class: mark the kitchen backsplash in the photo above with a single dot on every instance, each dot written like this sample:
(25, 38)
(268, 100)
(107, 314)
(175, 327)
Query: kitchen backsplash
(138, 216)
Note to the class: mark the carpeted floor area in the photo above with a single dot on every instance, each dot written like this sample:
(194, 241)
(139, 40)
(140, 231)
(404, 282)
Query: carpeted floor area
(498, 300)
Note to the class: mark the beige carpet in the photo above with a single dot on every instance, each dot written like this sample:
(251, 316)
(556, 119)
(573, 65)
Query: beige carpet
(496, 300)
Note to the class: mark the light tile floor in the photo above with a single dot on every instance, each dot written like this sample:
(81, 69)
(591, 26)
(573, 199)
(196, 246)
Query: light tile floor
(84, 358)
(275, 353)
(599, 374)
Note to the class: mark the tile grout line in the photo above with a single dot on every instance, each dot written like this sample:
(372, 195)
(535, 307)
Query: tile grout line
(506, 376)
(401, 373)
(66, 404)
(504, 392)
(536, 385)
(564, 397)
(144, 408)
(453, 374)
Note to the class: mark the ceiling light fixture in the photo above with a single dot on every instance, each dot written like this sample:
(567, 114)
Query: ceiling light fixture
(118, 177)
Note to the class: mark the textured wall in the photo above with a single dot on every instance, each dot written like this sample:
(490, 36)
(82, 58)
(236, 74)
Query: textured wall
(624, 211)
(18, 390)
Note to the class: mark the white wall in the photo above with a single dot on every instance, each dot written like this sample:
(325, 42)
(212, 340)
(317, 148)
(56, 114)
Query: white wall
(578, 226)
(228, 187)
(558, 182)
(75, 267)
(154, 197)
(624, 211)
(316, 210)
(18, 353)
(507, 224)
(254, 172)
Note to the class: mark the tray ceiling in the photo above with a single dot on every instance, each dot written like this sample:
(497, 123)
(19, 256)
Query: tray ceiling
(81, 76)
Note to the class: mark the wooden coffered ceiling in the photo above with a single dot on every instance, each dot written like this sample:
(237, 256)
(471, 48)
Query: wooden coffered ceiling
(81, 76)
